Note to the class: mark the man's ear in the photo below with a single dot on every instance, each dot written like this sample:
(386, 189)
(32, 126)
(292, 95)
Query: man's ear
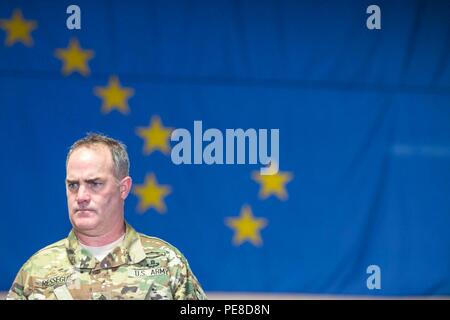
(125, 187)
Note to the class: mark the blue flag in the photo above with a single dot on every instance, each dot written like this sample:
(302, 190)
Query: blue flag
(355, 101)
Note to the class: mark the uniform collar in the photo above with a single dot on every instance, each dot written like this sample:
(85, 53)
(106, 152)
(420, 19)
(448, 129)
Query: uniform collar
(130, 251)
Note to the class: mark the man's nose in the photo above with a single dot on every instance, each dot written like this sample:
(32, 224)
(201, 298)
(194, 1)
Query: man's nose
(83, 194)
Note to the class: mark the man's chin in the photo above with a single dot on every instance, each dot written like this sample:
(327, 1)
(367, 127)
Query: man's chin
(84, 222)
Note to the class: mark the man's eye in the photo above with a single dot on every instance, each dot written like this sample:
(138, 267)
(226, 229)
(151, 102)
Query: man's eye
(72, 186)
(96, 184)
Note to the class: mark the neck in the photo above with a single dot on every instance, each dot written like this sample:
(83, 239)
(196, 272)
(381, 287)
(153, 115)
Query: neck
(102, 240)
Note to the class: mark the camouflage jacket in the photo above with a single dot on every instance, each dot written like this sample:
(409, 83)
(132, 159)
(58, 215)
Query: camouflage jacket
(142, 267)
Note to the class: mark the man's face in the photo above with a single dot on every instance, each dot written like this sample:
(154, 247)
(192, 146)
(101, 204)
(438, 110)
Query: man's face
(94, 196)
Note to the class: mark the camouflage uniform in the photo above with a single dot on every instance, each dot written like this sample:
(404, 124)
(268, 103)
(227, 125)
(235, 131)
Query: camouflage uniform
(142, 267)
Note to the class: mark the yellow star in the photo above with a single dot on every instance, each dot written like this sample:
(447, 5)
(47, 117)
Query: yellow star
(151, 194)
(114, 96)
(156, 136)
(273, 184)
(18, 29)
(74, 58)
(246, 227)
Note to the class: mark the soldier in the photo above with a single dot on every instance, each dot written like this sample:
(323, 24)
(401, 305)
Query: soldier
(103, 257)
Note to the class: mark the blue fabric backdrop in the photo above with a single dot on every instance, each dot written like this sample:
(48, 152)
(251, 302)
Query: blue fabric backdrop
(364, 119)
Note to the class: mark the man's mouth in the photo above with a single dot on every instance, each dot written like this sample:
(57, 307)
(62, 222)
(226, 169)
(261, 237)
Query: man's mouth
(83, 210)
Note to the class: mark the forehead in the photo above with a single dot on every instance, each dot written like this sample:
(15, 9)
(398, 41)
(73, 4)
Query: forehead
(90, 160)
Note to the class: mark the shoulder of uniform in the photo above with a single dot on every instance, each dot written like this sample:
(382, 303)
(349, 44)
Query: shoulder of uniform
(49, 252)
(153, 243)
(61, 244)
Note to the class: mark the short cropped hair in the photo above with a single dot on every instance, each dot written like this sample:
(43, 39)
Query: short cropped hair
(118, 151)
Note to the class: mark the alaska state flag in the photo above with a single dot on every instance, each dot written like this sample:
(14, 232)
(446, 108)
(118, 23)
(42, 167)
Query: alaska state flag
(360, 204)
